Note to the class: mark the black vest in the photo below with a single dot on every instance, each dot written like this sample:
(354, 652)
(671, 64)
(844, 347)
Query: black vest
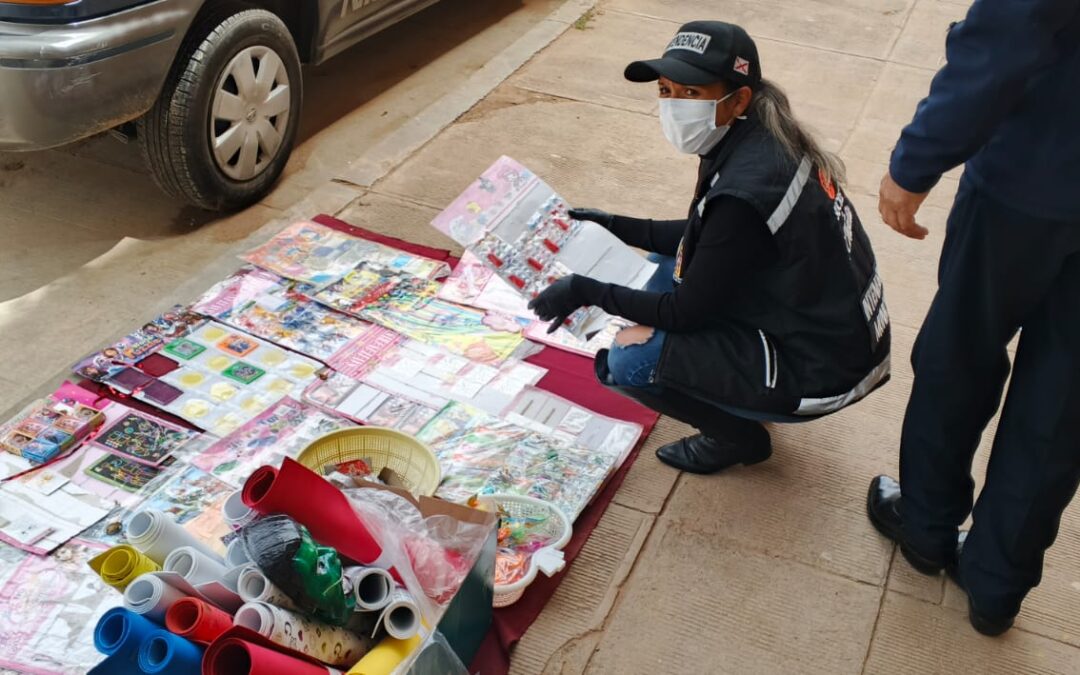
(815, 320)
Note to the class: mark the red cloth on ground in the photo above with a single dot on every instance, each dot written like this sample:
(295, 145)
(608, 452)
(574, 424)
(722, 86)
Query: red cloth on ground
(570, 376)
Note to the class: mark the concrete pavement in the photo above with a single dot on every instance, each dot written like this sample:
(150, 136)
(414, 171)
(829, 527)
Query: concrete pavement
(763, 570)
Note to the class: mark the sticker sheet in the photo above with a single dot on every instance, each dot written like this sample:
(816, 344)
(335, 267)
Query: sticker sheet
(298, 323)
(225, 377)
(520, 228)
(486, 337)
(310, 253)
(546, 413)
(361, 402)
(483, 454)
(49, 608)
(476, 285)
(283, 430)
(370, 286)
(101, 366)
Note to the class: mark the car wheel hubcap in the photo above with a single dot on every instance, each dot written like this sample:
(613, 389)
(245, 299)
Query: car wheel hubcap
(250, 113)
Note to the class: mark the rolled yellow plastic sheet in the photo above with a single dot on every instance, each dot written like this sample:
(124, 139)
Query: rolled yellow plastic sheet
(121, 565)
(385, 656)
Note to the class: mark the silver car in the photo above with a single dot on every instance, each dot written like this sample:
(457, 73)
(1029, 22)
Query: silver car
(213, 86)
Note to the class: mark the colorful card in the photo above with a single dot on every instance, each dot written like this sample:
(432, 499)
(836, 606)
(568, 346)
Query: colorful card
(124, 473)
(475, 334)
(308, 252)
(280, 431)
(243, 372)
(143, 439)
(184, 349)
(111, 360)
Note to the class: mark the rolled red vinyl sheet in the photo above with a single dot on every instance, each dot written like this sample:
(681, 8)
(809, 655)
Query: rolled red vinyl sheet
(240, 651)
(304, 496)
(197, 620)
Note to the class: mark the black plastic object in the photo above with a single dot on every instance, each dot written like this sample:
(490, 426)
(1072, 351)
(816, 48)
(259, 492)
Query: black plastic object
(308, 573)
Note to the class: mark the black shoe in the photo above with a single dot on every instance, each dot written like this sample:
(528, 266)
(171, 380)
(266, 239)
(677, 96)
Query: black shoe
(883, 509)
(990, 626)
(701, 454)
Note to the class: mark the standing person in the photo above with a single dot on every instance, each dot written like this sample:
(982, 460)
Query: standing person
(766, 305)
(1007, 104)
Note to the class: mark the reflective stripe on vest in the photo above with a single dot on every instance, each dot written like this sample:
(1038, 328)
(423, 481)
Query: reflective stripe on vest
(787, 204)
(823, 406)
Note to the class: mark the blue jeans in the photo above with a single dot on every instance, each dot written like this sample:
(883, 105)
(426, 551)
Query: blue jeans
(635, 365)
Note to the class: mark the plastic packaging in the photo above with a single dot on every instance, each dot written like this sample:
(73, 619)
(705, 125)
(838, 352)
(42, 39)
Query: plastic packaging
(121, 565)
(163, 653)
(432, 554)
(197, 620)
(306, 572)
(151, 597)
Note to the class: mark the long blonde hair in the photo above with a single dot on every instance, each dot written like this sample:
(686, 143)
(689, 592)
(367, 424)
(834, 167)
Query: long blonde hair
(770, 104)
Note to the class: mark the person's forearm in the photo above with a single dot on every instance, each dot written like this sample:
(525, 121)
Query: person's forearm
(655, 236)
(646, 308)
(990, 57)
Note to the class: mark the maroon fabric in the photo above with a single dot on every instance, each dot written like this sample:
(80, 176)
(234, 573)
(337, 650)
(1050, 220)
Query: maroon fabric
(356, 231)
(157, 365)
(570, 376)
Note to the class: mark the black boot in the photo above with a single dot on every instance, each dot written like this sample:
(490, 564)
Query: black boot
(984, 623)
(883, 509)
(725, 440)
(705, 454)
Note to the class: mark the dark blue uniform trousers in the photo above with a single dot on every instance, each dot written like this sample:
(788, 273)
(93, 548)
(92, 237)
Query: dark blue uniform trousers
(1001, 271)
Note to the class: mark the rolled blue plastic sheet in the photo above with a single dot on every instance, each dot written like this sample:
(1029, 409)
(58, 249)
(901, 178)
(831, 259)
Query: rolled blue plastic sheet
(163, 653)
(119, 635)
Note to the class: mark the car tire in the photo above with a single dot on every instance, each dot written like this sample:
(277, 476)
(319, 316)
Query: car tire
(218, 136)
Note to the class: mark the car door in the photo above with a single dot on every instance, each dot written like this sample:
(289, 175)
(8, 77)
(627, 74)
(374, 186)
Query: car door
(343, 23)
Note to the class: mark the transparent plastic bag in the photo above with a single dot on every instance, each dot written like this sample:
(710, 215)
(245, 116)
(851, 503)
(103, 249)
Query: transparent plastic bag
(431, 555)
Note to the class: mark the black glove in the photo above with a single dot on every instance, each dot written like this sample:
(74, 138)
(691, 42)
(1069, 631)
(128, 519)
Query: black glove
(557, 302)
(601, 218)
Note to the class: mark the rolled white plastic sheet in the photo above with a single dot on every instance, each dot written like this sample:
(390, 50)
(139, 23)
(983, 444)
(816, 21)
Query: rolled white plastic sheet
(151, 597)
(329, 644)
(371, 586)
(157, 535)
(235, 555)
(194, 565)
(236, 513)
(253, 586)
(401, 617)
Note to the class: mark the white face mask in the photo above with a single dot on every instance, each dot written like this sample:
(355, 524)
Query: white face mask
(690, 124)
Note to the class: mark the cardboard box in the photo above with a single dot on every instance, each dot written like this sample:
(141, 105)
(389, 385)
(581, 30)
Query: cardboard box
(468, 615)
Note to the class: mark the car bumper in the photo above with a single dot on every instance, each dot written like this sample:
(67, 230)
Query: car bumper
(62, 83)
